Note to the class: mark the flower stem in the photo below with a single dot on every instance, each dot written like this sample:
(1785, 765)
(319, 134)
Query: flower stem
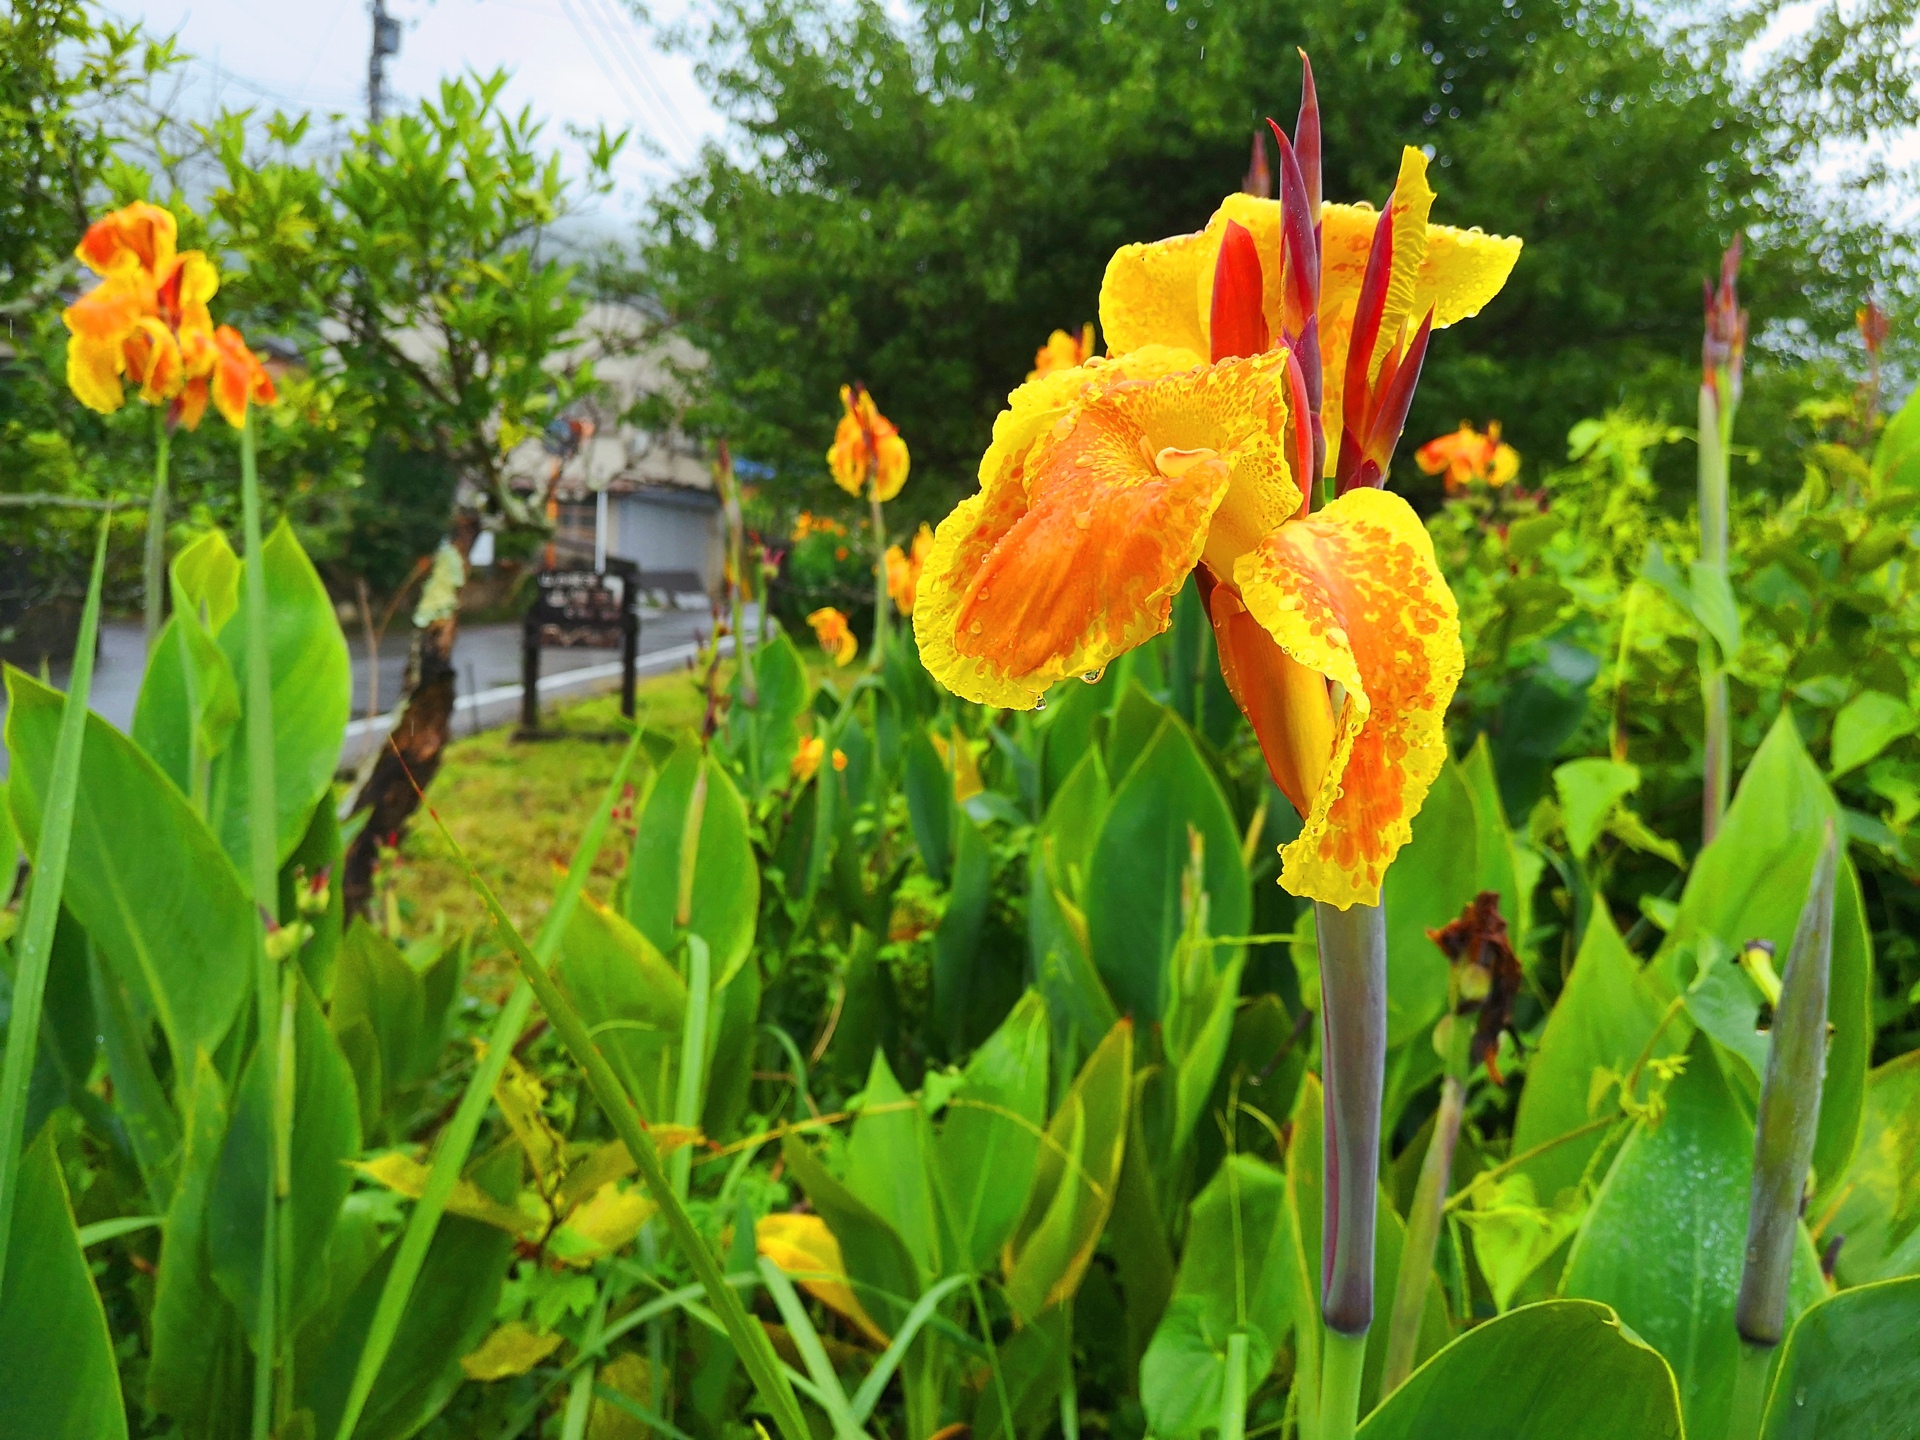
(1750, 1392)
(154, 578)
(1344, 1357)
(1353, 1016)
(879, 575)
(1716, 432)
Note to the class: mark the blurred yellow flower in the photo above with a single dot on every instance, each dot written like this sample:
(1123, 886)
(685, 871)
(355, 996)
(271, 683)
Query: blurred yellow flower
(867, 448)
(238, 377)
(1062, 352)
(807, 758)
(903, 569)
(1467, 455)
(835, 636)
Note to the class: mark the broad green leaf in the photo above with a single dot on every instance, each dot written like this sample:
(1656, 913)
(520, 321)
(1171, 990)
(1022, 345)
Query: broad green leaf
(1502, 863)
(189, 705)
(148, 880)
(61, 1381)
(1848, 1367)
(375, 1017)
(1664, 1241)
(732, 1016)
(1077, 999)
(989, 1143)
(1865, 726)
(726, 881)
(1896, 459)
(1563, 1370)
(889, 1160)
(1878, 1212)
(1429, 883)
(1588, 790)
(1237, 1272)
(1030, 1363)
(1714, 607)
(1751, 883)
(1513, 1234)
(1140, 859)
(200, 1361)
(884, 1277)
(312, 692)
(1066, 727)
(631, 998)
(326, 1134)
(207, 573)
(1136, 720)
(317, 859)
(929, 790)
(9, 840)
(1074, 1186)
(449, 1311)
(781, 680)
(1602, 1022)
(970, 990)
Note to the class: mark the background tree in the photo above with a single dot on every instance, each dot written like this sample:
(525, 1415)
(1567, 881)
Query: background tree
(417, 264)
(919, 201)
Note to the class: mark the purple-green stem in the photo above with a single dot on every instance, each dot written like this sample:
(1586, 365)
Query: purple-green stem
(1427, 1211)
(1353, 1052)
(1716, 434)
(880, 597)
(1785, 1126)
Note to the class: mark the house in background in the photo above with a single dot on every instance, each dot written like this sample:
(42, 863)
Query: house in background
(626, 492)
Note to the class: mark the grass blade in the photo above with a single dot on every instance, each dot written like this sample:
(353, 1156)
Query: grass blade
(457, 1139)
(693, 1056)
(807, 1341)
(34, 952)
(868, 1395)
(749, 1340)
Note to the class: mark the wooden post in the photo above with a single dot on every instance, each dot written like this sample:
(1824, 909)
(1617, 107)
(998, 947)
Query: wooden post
(530, 672)
(629, 637)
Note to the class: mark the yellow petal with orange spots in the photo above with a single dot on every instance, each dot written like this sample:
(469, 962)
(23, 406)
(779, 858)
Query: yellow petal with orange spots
(1099, 494)
(806, 1249)
(137, 236)
(1353, 592)
(1162, 293)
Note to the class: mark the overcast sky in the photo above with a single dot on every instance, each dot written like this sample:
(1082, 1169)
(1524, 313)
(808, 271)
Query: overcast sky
(582, 62)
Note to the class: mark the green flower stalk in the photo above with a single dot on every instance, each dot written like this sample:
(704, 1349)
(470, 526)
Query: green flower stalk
(1722, 359)
(154, 570)
(1788, 1118)
(1353, 1017)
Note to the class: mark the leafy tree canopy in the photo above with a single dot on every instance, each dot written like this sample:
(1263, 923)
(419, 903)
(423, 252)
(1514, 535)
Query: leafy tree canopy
(918, 201)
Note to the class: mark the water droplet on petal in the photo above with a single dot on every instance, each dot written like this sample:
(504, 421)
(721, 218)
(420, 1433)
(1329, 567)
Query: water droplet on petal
(1092, 677)
(1041, 703)
(1084, 519)
(975, 628)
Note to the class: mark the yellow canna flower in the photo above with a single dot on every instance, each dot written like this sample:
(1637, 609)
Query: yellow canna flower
(903, 569)
(807, 758)
(867, 448)
(806, 1249)
(1063, 351)
(836, 638)
(1466, 456)
(1162, 292)
(237, 377)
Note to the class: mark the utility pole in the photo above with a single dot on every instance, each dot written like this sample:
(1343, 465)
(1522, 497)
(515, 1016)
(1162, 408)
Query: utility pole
(386, 41)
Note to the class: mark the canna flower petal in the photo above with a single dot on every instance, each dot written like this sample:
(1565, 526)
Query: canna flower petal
(238, 377)
(836, 637)
(1102, 489)
(807, 758)
(137, 236)
(903, 569)
(153, 360)
(190, 404)
(100, 324)
(1353, 593)
(1162, 292)
(867, 447)
(1062, 352)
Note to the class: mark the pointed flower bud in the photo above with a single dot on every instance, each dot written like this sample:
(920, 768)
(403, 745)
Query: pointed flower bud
(1723, 351)
(1789, 1110)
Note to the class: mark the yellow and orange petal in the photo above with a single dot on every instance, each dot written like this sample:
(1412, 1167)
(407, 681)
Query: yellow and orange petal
(100, 324)
(137, 236)
(184, 290)
(153, 360)
(1098, 496)
(903, 569)
(867, 448)
(1468, 455)
(1354, 594)
(238, 377)
(1162, 292)
(803, 1247)
(190, 404)
(836, 637)
(807, 758)
(1062, 352)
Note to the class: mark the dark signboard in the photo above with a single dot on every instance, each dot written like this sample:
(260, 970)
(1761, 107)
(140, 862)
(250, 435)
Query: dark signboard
(580, 609)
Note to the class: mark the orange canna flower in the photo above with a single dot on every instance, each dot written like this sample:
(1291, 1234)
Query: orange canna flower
(867, 448)
(1063, 351)
(1467, 455)
(147, 320)
(830, 628)
(238, 377)
(903, 569)
(807, 758)
(1195, 449)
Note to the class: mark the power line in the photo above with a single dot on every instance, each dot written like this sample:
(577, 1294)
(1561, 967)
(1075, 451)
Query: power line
(622, 82)
(638, 60)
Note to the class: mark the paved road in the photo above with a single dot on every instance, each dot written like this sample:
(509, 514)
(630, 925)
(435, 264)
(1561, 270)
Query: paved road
(488, 658)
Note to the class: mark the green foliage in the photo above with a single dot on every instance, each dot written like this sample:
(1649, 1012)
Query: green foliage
(1846, 1367)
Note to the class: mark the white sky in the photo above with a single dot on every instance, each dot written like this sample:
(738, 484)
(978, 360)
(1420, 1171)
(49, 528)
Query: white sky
(579, 62)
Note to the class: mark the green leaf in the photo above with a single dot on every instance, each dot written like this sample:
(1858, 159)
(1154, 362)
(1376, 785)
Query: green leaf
(312, 692)
(989, 1144)
(1589, 790)
(929, 791)
(189, 704)
(1238, 1272)
(1502, 863)
(1031, 1363)
(885, 1278)
(1429, 883)
(1597, 1029)
(1075, 1183)
(1714, 608)
(726, 881)
(633, 1001)
(149, 880)
(207, 574)
(1563, 1370)
(200, 1361)
(326, 1134)
(376, 1018)
(1136, 721)
(1878, 1211)
(970, 991)
(1865, 726)
(781, 679)
(889, 1156)
(9, 839)
(1141, 858)
(1077, 999)
(1664, 1241)
(1750, 883)
(1896, 459)
(62, 1382)
(1848, 1367)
